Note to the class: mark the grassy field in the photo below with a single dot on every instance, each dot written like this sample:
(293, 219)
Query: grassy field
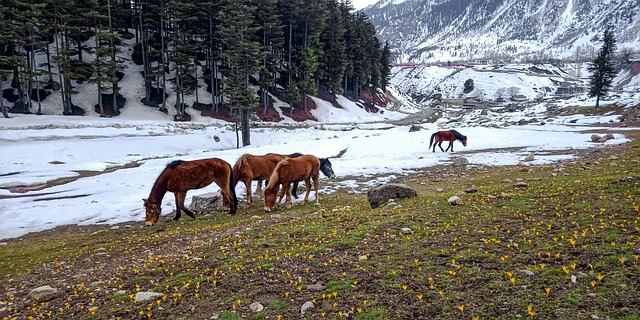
(566, 246)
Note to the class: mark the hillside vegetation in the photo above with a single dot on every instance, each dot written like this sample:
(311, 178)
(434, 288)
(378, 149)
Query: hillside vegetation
(565, 246)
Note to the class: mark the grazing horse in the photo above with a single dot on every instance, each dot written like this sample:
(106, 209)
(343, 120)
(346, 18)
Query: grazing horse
(249, 167)
(306, 167)
(180, 176)
(447, 135)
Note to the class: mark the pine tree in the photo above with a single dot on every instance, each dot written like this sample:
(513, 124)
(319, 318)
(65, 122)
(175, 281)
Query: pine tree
(242, 55)
(385, 62)
(602, 68)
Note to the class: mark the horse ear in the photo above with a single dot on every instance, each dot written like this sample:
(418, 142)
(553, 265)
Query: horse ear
(145, 201)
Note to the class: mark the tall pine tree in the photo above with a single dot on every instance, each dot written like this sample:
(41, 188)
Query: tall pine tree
(242, 56)
(603, 69)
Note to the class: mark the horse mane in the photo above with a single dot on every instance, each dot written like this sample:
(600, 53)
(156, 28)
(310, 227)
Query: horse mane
(242, 161)
(458, 135)
(174, 164)
(274, 178)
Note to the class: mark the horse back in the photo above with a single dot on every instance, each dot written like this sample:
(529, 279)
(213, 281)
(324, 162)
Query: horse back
(196, 174)
(299, 168)
(251, 167)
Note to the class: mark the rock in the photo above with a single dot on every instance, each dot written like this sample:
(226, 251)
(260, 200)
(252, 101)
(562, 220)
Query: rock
(256, 307)
(306, 306)
(146, 296)
(454, 201)
(216, 138)
(414, 128)
(530, 157)
(439, 190)
(97, 283)
(42, 292)
(318, 286)
(527, 272)
(3, 244)
(406, 230)
(460, 161)
(522, 122)
(120, 293)
(382, 194)
(506, 181)
(471, 189)
(206, 203)
(595, 138)
(522, 184)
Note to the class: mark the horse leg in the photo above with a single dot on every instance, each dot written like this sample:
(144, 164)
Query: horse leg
(315, 186)
(247, 184)
(450, 146)
(440, 145)
(295, 187)
(178, 213)
(259, 191)
(287, 189)
(307, 185)
(180, 196)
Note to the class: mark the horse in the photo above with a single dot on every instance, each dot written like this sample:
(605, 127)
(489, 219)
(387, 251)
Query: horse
(447, 135)
(325, 168)
(249, 167)
(180, 176)
(305, 167)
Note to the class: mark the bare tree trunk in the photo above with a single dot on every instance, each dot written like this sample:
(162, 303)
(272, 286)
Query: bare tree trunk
(3, 108)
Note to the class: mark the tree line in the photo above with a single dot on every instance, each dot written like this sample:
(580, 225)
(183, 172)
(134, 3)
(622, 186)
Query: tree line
(286, 48)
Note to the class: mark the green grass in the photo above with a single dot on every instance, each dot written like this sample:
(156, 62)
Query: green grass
(455, 256)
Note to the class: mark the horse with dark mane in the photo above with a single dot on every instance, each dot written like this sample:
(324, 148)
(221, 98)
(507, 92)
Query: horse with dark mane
(446, 135)
(180, 176)
(305, 167)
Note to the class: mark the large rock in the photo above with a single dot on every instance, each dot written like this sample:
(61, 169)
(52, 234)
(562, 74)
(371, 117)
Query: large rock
(206, 203)
(382, 194)
(147, 296)
(460, 161)
(43, 292)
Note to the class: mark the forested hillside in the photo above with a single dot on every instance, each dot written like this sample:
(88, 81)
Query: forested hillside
(246, 52)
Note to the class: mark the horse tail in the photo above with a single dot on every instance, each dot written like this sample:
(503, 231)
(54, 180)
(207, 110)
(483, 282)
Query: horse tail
(431, 140)
(232, 187)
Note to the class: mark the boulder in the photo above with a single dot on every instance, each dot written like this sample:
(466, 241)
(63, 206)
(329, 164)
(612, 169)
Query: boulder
(460, 161)
(382, 194)
(147, 296)
(42, 292)
(414, 128)
(529, 157)
(206, 203)
(454, 201)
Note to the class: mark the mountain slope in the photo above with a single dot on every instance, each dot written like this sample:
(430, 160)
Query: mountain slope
(441, 30)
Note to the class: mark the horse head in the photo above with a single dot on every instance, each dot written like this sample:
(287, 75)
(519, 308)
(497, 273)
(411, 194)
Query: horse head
(270, 195)
(325, 167)
(464, 140)
(152, 212)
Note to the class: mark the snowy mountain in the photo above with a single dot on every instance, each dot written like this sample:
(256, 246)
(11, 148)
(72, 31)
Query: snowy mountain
(441, 30)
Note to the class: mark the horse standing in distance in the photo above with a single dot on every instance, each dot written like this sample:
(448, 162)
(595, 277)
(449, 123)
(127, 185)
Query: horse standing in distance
(446, 135)
(180, 176)
(306, 167)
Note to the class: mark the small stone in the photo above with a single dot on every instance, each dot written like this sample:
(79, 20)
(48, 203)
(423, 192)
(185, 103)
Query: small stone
(197, 243)
(522, 184)
(406, 230)
(3, 244)
(530, 157)
(527, 272)
(439, 190)
(97, 283)
(256, 307)
(471, 189)
(506, 181)
(115, 227)
(319, 286)
(306, 306)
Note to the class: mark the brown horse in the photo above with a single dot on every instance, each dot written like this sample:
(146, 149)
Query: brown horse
(306, 167)
(447, 135)
(249, 167)
(180, 176)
